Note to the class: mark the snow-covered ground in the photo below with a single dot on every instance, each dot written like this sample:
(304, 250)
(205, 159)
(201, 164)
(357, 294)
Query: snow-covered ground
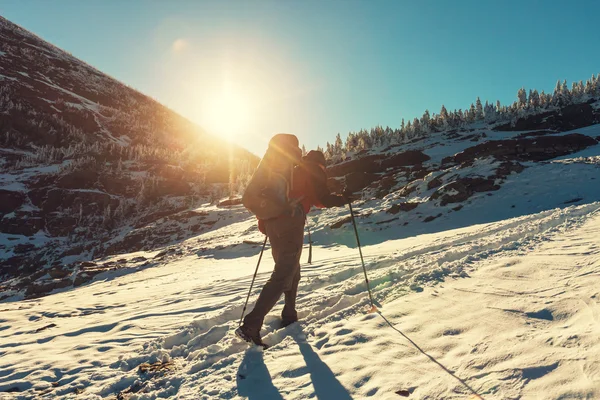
(503, 310)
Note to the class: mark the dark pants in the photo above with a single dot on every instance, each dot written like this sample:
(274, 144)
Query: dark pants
(286, 236)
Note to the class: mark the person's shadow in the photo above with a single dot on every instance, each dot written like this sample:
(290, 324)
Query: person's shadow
(254, 380)
(323, 379)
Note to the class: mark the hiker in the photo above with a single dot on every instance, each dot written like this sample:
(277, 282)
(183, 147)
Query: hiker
(307, 187)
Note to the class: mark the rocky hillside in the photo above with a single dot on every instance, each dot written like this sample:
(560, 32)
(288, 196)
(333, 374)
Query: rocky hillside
(437, 175)
(84, 159)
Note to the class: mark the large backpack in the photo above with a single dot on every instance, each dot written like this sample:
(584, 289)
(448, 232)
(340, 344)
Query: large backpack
(266, 195)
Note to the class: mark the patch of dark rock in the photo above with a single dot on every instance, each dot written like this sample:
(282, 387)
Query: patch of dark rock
(26, 223)
(575, 200)
(407, 190)
(39, 289)
(156, 367)
(544, 314)
(59, 272)
(396, 208)
(356, 181)
(457, 208)
(341, 222)
(23, 248)
(58, 224)
(79, 179)
(230, 202)
(405, 159)
(45, 327)
(387, 221)
(87, 264)
(431, 218)
(508, 167)
(535, 133)
(536, 149)
(11, 201)
(139, 259)
(453, 192)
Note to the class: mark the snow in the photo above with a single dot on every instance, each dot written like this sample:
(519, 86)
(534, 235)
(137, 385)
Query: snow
(506, 310)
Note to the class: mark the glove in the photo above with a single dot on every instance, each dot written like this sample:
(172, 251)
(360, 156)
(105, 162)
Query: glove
(349, 196)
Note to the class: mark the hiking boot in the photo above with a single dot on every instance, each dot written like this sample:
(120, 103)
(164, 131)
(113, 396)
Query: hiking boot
(249, 336)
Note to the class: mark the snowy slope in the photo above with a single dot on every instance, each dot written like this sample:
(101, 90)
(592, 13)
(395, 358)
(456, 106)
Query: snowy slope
(509, 308)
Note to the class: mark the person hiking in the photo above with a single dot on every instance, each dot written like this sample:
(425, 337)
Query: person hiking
(308, 187)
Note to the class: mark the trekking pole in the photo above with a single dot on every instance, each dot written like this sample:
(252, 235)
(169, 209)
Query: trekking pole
(373, 307)
(309, 246)
(253, 278)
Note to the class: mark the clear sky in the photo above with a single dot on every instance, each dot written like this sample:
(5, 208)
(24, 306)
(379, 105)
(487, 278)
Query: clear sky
(248, 69)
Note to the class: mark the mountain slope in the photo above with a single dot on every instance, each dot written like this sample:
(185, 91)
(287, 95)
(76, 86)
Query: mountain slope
(85, 158)
(509, 308)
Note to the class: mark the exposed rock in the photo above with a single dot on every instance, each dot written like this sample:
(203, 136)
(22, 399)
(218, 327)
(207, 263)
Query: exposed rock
(59, 272)
(461, 189)
(11, 201)
(38, 289)
(58, 224)
(480, 184)
(79, 179)
(23, 248)
(356, 181)
(22, 223)
(90, 202)
(370, 164)
(508, 167)
(376, 163)
(231, 202)
(340, 223)
(396, 208)
(431, 218)
(453, 192)
(407, 158)
(538, 149)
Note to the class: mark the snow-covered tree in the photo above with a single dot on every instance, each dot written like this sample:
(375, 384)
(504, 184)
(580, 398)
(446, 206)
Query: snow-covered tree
(478, 110)
(522, 98)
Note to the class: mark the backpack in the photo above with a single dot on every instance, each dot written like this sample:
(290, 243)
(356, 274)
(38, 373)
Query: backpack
(267, 193)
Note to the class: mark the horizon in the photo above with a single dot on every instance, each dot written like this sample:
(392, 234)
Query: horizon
(246, 72)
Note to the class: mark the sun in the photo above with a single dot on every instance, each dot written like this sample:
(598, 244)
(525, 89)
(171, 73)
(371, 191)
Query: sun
(227, 113)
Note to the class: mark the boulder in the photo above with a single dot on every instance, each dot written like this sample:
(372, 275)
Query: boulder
(366, 164)
(230, 202)
(396, 208)
(405, 159)
(377, 163)
(11, 201)
(527, 149)
(79, 179)
(26, 223)
(58, 224)
(453, 192)
(356, 181)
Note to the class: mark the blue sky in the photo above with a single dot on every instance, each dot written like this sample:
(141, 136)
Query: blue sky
(249, 69)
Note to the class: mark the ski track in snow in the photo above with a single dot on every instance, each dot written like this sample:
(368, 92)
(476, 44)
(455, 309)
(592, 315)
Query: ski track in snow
(95, 337)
